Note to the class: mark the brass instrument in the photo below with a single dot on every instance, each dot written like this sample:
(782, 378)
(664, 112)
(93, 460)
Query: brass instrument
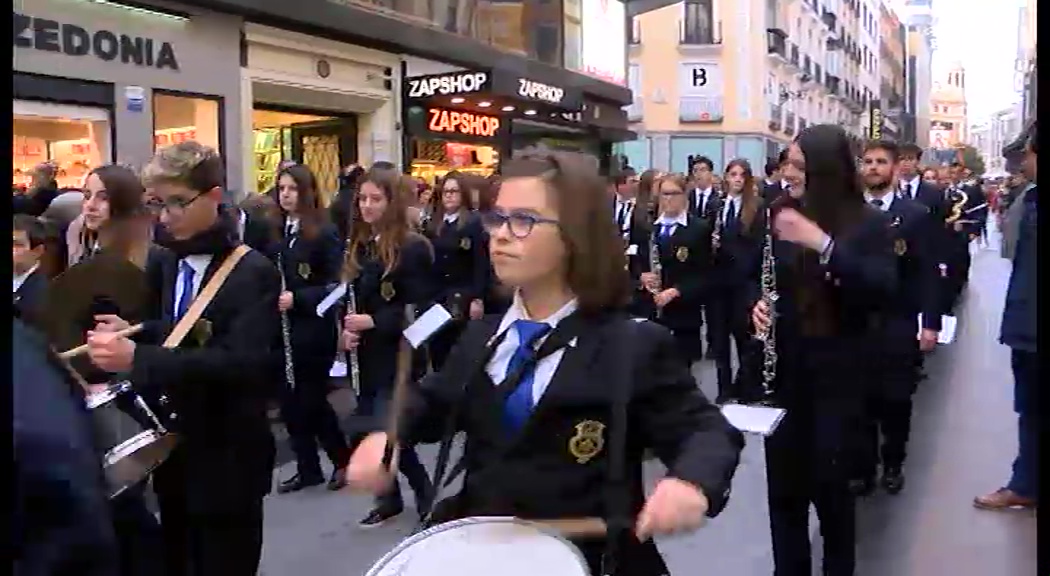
(286, 332)
(656, 268)
(769, 296)
(957, 206)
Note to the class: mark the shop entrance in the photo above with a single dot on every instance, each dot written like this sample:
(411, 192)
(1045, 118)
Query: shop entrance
(74, 138)
(322, 141)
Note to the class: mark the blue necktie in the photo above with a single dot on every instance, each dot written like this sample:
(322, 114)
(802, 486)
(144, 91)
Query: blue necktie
(186, 272)
(519, 403)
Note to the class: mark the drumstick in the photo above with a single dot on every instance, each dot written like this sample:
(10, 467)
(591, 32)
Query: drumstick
(400, 394)
(74, 352)
(575, 527)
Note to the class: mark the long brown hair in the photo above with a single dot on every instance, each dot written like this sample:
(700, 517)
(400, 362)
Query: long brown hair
(312, 217)
(644, 201)
(596, 270)
(392, 228)
(467, 186)
(124, 233)
(749, 198)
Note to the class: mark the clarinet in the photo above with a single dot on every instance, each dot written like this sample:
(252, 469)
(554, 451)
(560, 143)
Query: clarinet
(716, 234)
(286, 332)
(769, 296)
(655, 268)
(355, 366)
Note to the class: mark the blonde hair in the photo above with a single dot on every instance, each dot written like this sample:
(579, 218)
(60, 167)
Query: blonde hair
(190, 164)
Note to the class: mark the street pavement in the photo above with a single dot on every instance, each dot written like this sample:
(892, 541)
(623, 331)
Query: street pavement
(963, 442)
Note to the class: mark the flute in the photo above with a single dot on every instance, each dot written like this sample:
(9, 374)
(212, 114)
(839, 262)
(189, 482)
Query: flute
(286, 332)
(355, 366)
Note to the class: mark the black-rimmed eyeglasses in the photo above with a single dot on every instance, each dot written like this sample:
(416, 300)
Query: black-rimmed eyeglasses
(174, 205)
(519, 223)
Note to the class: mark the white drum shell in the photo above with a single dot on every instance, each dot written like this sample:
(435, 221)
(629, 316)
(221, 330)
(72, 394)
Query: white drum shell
(483, 546)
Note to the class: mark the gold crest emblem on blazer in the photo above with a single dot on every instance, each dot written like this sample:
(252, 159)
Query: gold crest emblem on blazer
(464, 243)
(682, 254)
(588, 441)
(304, 270)
(900, 247)
(386, 290)
(201, 331)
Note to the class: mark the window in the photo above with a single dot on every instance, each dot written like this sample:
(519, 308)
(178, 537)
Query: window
(698, 22)
(74, 138)
(178, 118)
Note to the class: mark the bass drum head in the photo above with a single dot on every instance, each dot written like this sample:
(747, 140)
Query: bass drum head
(131, 462)
(483, 547)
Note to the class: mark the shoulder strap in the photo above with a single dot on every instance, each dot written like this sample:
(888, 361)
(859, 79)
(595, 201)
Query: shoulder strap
(185, 324)
(617, 497)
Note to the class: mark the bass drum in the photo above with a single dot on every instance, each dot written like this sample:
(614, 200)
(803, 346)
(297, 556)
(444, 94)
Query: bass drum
(483, 546)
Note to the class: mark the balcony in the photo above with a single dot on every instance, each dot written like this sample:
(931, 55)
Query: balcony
(634, 110)
(635, 37)
(832, 83)
(776, 44)
(700, 109)
(776, 113)
(830, 19)
(807, 66)
(691, 34)
(793, 57)
(789, 123)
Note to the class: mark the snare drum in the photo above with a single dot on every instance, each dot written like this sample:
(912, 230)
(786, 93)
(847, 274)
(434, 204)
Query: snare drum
(483, 546)
(133, 440)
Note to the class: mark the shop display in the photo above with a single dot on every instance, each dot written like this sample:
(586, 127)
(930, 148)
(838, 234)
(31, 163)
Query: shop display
(432, 159)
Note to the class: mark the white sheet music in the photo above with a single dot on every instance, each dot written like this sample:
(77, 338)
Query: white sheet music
(947, 333)
(427, 325)
(338, 369)
(331, 299)
(761, 420)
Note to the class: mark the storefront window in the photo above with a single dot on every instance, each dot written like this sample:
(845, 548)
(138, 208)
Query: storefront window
(75, 138)
(432, 159)
(180, 118)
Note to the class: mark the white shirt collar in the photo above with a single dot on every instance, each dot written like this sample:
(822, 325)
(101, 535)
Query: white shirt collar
(21, 278)
(517, 312)
(913, 184)
(887, 199)
(622, 200)
(680, 220)
(292, 221)
(451, 218)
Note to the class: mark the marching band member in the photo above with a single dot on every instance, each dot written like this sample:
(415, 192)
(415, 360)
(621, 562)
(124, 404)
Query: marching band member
(536, 443)
(961, 229)
(912, 184)
(834, 267)
(30, 252)
(894, 376)
(684, 245)
(390, 267)
(310, 258)
(704, 203)
(638, 240)
(218, 380)
(461, 266)
(739, 230)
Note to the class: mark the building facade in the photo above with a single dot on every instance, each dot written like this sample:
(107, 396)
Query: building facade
(892, 102)
(315, 81)
(1026, 58)
(948, 115)
(990, 136)
(918, 18)
(739, 79)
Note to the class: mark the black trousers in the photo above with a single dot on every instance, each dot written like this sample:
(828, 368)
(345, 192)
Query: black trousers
(310, 419)
(806, 463)
(885, 429)
(220, 543)
(727, 324)
(690, 346)
(138, 533)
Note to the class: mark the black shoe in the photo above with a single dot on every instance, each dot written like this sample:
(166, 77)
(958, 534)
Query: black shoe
(861, 487)
(379, 516)
(298, 482)
(892, 480)
(338, 479)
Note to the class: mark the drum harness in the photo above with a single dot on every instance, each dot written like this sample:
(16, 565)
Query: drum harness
(618, 517)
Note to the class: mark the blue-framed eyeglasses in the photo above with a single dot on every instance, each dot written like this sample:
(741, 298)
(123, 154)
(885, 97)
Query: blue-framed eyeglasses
(519, 223)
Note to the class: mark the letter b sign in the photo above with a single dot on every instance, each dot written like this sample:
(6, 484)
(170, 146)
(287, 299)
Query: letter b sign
(699, 77)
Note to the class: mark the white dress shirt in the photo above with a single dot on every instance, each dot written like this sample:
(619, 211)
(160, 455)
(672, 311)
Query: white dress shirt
(674, 222)
(913, 185)
(702, 197)
(886, 198)
(547, 366)
(20, 279)
(451, 218)
(199, 263)
(733, 201)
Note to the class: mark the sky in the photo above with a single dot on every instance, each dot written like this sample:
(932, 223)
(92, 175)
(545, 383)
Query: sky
(983, 35)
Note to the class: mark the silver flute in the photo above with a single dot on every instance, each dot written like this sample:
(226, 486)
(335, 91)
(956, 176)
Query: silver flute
(769, 296)
(286, 332)
(355, 366)
(656, 269)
